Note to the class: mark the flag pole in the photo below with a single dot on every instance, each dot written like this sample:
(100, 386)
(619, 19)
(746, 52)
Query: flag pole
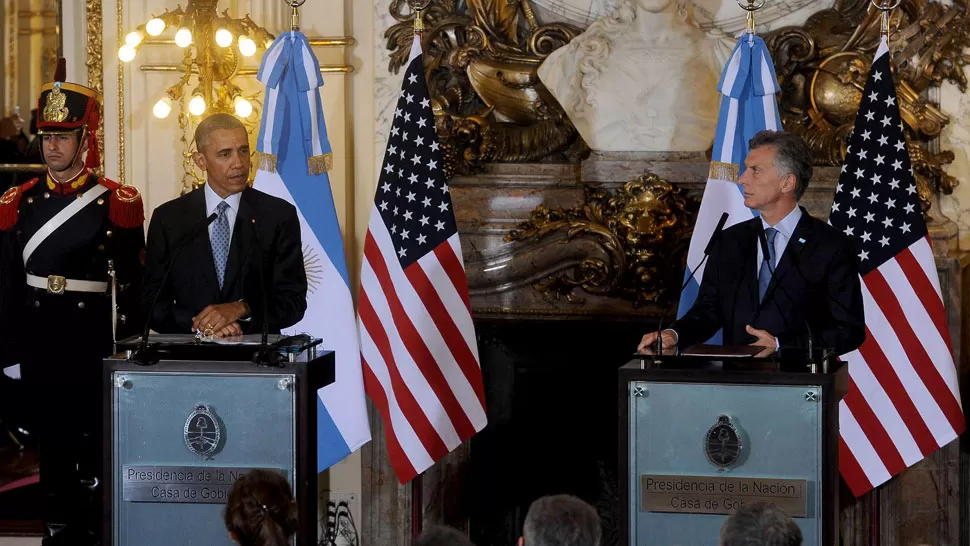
(417, 483)
(874, 512)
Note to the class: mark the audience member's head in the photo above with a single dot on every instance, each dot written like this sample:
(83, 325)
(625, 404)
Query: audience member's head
(760, 524)
(440, 535)
(560, 520)
(261, 510)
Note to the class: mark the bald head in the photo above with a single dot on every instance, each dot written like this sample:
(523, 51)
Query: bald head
(214, 123)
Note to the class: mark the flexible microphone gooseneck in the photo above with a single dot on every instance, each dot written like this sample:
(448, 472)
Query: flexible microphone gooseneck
(142, 354)
(265, 356)
(707, 252)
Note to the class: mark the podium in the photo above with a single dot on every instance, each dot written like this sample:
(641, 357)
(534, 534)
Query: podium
(706, 432)
(182, 426)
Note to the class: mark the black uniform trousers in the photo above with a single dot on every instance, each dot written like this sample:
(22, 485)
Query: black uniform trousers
(68, 335)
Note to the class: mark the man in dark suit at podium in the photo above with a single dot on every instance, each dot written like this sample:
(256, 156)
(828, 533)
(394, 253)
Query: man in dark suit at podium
(238, 246)
(807, 284)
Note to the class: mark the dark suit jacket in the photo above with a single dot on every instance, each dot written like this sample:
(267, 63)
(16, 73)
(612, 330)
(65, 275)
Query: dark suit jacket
(274, 244)
(815, 281)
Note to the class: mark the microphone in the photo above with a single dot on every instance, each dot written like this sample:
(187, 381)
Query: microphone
(264, 356)
(192, 234)
(707, 250)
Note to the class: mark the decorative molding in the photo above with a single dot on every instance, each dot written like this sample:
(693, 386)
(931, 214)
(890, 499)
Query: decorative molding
(324, 69)
(481, 62)
(95, 60)
(635, 241)
(822, 66)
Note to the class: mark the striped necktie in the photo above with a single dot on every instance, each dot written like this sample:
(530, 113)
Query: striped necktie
(764, 274)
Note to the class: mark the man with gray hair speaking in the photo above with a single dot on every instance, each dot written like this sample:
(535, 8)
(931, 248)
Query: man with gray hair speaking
(784, 279)
(560, 520)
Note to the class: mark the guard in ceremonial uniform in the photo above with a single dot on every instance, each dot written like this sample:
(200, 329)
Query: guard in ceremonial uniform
(70, 265)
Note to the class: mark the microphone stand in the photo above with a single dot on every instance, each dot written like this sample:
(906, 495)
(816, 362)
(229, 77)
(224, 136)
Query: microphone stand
(266, 355)
(148, 354)
(707, 252)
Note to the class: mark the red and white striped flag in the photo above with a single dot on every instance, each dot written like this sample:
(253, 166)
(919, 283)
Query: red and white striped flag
(417, 339)
(903, 401)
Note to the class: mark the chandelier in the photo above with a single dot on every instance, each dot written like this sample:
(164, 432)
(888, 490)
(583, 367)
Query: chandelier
(215, 46)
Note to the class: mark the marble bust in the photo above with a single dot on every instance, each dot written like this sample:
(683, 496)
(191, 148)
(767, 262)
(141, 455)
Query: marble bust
(644, 77)
(641, 79)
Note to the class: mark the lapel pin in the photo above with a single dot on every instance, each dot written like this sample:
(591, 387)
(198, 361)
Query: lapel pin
(801, 239)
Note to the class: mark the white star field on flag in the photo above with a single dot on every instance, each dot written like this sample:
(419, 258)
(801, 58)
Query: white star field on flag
(412, 195)
(877, 183)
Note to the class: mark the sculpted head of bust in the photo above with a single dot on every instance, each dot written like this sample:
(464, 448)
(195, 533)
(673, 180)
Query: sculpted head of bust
(655, 6)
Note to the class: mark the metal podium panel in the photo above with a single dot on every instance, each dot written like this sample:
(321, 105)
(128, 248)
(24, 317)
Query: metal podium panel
(181, 440)
(699, 451)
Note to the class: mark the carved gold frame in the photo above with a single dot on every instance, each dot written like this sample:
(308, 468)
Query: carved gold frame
(94, 50)
(94, 59)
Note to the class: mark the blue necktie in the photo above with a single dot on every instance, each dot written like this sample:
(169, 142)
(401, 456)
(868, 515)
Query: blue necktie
(220, 241)
(764, 274)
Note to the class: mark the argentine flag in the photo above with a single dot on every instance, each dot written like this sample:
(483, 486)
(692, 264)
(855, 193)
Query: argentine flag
(748, 87)
(293, 157)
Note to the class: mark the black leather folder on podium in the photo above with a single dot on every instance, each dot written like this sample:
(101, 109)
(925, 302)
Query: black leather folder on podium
(706, 432)
(184, 420)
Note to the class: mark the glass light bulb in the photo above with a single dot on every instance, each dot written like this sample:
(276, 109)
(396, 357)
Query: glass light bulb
(155, 27)
(134, 38)
(224, 38)
(244, 108)
(183, 38)
(197, 105)
(126, 53)
(247, 46)
(162, 108)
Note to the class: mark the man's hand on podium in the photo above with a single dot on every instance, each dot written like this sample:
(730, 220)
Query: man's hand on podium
(763, 338)
(648, 344)
(214, 319)
(233, 329)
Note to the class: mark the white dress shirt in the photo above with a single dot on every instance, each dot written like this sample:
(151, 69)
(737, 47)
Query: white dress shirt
(212, 201)
(785, 229)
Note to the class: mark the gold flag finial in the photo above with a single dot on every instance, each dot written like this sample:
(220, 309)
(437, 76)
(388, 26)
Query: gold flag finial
(294, 13)
(418, 6)
(886, 9)
(751, 6)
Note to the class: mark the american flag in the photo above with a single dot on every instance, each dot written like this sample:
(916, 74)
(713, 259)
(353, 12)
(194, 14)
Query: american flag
(421, 366)
(903, 401)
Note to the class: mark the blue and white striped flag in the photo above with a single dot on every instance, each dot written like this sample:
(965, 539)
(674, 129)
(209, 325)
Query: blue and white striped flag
(293, 157)
(748, 87)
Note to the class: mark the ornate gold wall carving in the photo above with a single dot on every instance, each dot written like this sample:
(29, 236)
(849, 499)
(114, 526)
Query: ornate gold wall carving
(822, 67)
(121, 95)
(644, 229)
(481, 68)
(94, 59)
